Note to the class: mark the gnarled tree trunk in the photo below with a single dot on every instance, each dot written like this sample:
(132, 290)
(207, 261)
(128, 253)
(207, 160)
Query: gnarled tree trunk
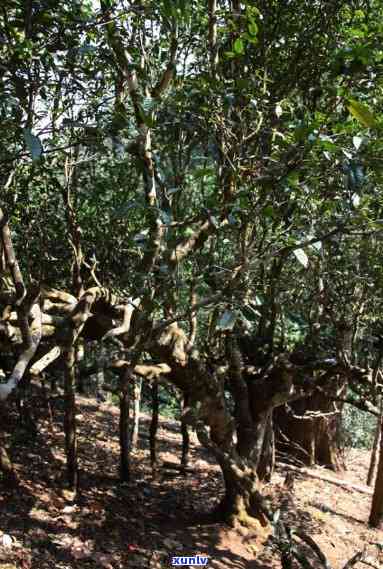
(310, 440)
(242, 502)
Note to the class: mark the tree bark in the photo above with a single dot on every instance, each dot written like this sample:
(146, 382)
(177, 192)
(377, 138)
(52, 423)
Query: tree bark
(79, 357)
(375, 446)
(310, 441)
(266, 464)
(125, 426)
(185, 439)
(26, 418)
(376, 514)
(242, 503)
(154, 425)
(70, 418)
(101, 359)
(136, 411)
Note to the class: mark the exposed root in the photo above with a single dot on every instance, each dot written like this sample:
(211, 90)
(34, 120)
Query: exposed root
(244, 519)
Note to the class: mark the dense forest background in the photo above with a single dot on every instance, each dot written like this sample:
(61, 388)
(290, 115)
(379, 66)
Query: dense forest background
(191, 211)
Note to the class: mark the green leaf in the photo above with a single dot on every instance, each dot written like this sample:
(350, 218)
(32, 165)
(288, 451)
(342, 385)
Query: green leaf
(169, 8)
(250, 313)
(253, 28)
(268, 211)
(147, 118)
(242, 84)
(328, 146)
(203, 172)
(249, 38)
(361, 113)
(34, 144)
(227, 320)
(302, 257)
(293, 178)
(238, 46)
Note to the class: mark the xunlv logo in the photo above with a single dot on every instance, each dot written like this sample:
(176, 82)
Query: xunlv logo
(196, 560)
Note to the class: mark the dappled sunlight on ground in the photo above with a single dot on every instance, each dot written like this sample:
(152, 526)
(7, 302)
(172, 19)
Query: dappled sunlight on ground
(143, 522)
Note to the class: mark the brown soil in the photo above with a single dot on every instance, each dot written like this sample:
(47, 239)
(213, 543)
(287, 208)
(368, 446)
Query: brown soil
(143, 523)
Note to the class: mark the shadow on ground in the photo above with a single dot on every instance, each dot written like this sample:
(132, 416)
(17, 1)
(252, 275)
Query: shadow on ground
(137, 524)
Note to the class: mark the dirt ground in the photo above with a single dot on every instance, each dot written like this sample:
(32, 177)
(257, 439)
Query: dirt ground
(146, 521)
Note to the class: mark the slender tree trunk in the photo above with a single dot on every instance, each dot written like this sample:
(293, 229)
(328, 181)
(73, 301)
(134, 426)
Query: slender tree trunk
(70, 418)
(185, 439)
(375, 446)
(213, 53)
(154, 425)
(80, 353)
(26, 418)
(53, 380)
(136, 411)
(266, 464)
(125, 427)
(100, 375)
(47, 400)
(376, 515)
(100, 379)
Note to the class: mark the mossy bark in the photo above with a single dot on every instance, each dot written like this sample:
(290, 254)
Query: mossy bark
(242, 504)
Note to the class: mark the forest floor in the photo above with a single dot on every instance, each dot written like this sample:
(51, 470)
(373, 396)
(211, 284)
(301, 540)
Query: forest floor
(146, 521)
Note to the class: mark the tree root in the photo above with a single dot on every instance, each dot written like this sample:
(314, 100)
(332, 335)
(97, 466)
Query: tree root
(244, 519)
